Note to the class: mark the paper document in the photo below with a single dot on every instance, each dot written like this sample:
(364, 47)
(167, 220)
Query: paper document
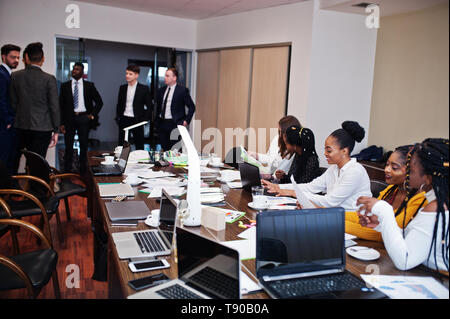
(153, 174)
(249, 234)
(301, 197)
(234, 185)
(137, 168)
(246, 248)
(247, 285)
(408, 287)
(172, 191)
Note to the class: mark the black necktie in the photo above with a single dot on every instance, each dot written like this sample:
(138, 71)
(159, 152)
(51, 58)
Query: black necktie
(163, 113)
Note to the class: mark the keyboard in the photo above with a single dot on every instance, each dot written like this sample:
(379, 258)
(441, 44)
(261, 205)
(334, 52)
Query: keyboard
(299, 287)
(217, 282)
(148, 242)
(106, 170)
(177, 292)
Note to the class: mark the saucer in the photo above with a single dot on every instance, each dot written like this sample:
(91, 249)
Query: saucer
(256, 207)
(363, 253)
(108, 163)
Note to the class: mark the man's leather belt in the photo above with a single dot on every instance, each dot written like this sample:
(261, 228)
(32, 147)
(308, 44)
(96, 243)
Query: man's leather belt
(81, 113)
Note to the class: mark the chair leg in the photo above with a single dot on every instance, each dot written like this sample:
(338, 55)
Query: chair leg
(66, 202)
(58, 223)
(56, 285)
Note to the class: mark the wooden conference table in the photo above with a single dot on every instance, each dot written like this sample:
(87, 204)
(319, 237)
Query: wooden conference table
(237, 199)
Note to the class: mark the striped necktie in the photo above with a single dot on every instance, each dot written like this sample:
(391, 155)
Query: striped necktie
(163, 115)
(75, 96)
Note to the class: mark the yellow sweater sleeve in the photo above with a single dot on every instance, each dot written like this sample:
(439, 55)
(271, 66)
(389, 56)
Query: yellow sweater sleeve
(353, 227)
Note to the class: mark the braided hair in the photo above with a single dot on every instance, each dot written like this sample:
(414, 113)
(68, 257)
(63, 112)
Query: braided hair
(433, 156)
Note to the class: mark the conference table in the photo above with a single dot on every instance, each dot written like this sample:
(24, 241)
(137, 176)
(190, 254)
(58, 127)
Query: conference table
(118, 272)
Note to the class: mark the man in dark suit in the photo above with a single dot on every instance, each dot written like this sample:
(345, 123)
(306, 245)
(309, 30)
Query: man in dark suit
(10, 60)
(80, 104)
(34, 98)
(171, 109)
(134, 105)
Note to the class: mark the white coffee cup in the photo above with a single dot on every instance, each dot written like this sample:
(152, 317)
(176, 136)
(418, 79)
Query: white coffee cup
(216, 161)
(153, 218)
(132, 179)
(109, 159)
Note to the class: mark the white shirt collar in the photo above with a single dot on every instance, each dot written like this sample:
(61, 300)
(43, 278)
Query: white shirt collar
(79, 81)
(348, 164)
(7, 68)
(172, 86)
(134, 85)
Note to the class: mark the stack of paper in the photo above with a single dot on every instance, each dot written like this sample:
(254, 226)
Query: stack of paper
(153, 174)
(137, 168)
(211, 195)
(171, 190)
(229, 176)
(165, 181)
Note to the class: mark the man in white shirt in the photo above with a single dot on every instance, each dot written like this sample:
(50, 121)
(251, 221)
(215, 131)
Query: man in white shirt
(10, 60)
(134, 105)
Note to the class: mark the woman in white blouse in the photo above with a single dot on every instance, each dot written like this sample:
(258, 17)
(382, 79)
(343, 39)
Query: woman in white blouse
(278, 158)
(344, 181)
(425, 239)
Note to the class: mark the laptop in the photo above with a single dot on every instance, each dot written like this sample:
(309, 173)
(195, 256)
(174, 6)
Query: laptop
(206, 270)
(250, 177)
(116, 169)
(152, 242)
(127, 210)
(301, 254)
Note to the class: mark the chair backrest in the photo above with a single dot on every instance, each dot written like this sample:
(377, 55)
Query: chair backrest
(376, 187)
(37, 165)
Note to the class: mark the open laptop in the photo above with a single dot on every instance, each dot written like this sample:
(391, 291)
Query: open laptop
(250, 177)
(116, 169)
(206, 269)
(301, 254)
(152, 242)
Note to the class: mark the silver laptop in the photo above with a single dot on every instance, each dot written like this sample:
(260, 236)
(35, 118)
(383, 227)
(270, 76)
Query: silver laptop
(206, 269)
(153, 242)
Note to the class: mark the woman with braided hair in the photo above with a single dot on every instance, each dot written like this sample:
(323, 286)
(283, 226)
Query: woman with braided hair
(425, 239)
(406, 204)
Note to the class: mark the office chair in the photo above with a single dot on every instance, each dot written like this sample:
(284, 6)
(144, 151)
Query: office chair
(31, 270)
(39, 167)
(5, 213)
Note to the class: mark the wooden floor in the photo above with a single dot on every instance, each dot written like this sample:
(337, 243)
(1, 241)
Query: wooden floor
(77, 249)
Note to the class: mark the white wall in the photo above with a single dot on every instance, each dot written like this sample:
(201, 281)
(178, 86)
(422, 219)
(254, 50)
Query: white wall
(287, 23)
(25, 21)
(341, 75)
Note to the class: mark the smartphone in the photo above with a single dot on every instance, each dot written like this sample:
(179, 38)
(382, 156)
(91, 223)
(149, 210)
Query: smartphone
(147, 282)
(148, 265)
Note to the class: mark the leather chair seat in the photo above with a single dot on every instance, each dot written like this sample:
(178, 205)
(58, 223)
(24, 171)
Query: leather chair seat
(28, 208)
(38, 265)
(67, 188)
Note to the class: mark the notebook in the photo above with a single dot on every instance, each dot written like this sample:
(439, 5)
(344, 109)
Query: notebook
(115, 189)
(152, 242)
(127, 210)
(301, 254)
(116, 169)
(206, 269)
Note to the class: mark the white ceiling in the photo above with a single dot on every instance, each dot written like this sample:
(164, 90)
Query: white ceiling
(387, 7)
(192, 9)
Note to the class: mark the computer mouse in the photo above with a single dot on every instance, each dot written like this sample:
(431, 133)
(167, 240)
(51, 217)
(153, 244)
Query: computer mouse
(363, 253)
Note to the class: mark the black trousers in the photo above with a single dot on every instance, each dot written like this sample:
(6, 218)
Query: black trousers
(34, 141)
(80, 125)
(166, 129)
(8, 147)
(138, 132)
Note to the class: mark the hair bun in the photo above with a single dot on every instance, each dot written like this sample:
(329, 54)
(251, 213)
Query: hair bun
(355, 130)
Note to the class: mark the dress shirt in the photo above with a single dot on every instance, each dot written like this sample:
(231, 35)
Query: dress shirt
(131, 90)
(341, 186)
(413, 250)
(81, 107)
(168, 114)
(7, 68)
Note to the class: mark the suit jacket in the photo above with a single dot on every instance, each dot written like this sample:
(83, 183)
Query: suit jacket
(141, 97)
(92, 101)
(34, 98)
(180, 99)
(6, 112)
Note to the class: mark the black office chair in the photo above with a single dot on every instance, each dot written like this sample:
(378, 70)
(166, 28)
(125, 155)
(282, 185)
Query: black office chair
(376, 187)
(31, 270)
(39, 167)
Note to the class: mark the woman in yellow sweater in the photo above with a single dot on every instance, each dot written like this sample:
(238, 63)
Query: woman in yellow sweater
(406, 204)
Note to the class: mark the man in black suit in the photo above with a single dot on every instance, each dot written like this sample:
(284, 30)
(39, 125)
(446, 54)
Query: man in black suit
(34, 98)
(10, 60)
(134, 105)
(171, 109)
(80, 104)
